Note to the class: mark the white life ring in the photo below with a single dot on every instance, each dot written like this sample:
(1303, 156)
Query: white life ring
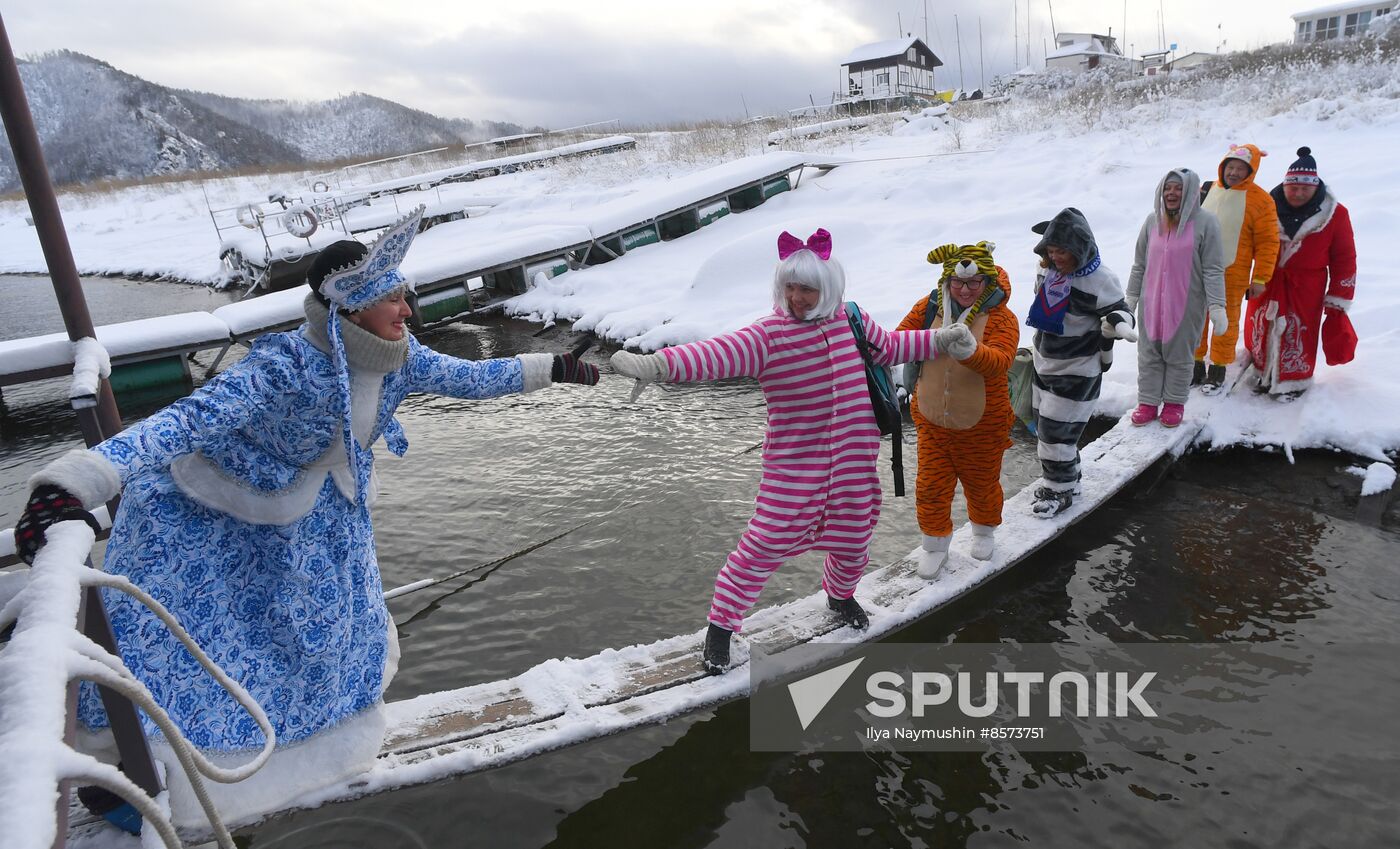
(320, 187)
(250, 216)
(300, 221)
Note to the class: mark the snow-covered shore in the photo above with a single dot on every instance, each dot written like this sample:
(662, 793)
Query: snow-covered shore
(988, 175)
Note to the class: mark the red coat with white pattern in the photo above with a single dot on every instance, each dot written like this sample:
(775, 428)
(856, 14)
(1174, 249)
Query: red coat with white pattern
(1316, 269)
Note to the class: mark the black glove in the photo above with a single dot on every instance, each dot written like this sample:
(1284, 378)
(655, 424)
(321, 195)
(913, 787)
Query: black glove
(570, 368)
(48, 505)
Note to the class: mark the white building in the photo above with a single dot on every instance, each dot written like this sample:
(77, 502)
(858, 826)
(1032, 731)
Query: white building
(1085, 51)
(1194, 59)
(1339, 20)
(903, 66)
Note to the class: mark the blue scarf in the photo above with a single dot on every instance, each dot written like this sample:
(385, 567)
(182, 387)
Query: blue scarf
(1051, 302)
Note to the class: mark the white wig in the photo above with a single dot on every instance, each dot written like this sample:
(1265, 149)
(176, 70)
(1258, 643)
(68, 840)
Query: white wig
(807, 269)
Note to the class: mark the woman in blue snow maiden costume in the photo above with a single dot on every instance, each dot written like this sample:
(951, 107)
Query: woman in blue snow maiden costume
(245, 511)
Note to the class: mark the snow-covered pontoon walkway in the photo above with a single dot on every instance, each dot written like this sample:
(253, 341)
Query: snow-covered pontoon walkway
(565, 701)
(457, 270)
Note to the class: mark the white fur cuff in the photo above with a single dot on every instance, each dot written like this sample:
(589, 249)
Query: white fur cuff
(86, 474)
(1337, 303)
(535, 370)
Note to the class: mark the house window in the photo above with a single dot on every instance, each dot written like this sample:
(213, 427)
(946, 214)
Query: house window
(882, 78)
(911, 54)
(1384, 11)
(1357, 23)
(1327, 28)
(1304, 31)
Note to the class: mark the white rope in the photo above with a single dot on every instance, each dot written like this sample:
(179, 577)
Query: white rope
(87, 661)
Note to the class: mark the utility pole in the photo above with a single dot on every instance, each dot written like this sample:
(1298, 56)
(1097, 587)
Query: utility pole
(1054, 33)
(957, 33)
(981, 66)
(1016, 32)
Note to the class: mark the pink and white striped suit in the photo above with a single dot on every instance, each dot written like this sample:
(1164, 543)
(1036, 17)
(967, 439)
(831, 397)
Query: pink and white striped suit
(819, 489)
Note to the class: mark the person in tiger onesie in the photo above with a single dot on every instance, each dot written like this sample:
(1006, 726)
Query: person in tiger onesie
(960, 403)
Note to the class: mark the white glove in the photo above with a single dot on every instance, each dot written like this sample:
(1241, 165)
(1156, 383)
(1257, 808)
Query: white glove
(956, 341)
(1219, 321)
(1121, 330)
(646, 368)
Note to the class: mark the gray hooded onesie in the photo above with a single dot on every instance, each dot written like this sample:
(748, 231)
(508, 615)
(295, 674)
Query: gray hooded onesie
(1167, 333)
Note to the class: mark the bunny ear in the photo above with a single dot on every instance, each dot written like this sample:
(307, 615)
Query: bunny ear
(820, 243)
(788, 245)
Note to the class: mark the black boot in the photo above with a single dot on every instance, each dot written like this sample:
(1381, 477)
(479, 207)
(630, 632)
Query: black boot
(1198, 373)
(849, 611)
(717, 649)
(1215, 380)
(114, 809)
(1051, 502)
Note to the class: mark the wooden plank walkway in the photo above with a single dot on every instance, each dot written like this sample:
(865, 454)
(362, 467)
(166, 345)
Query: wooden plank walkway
(563, 702)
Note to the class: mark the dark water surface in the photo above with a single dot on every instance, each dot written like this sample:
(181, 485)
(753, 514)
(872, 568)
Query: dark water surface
(1231, 546)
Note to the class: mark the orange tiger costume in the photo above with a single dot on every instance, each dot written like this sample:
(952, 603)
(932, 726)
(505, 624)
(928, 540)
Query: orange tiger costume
(950, 451)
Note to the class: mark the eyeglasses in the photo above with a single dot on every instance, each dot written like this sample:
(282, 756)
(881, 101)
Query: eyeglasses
(974, 283)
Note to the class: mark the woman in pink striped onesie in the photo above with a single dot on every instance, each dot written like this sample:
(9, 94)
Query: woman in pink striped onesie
(819, 489)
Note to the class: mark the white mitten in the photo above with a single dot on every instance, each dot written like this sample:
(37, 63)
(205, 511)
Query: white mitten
(646, 368)
(956, 341)
(1121, 330)
(1219, 321)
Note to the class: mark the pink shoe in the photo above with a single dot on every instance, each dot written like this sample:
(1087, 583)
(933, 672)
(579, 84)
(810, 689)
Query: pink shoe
(1146, 413)
(1172, 414)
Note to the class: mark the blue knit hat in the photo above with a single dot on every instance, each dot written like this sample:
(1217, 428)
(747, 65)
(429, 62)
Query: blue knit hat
(1303, 171)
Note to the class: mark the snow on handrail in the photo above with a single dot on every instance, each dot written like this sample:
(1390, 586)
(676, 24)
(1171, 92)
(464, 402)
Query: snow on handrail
(90, 365)
(43, 655)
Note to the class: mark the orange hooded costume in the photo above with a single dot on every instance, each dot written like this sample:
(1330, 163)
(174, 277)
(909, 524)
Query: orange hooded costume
(959, 444)
(1249, 237)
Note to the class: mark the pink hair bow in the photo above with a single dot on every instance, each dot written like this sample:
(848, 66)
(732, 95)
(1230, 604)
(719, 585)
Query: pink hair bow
(819, 243)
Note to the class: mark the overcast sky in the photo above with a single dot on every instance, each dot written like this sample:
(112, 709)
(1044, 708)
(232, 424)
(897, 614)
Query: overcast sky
(562, 62)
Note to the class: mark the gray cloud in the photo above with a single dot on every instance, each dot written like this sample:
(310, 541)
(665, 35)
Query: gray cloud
(554, 70)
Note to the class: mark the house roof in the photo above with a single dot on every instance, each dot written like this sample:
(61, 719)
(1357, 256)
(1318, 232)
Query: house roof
(1079, 48)
(881, 50)
(1331, 9)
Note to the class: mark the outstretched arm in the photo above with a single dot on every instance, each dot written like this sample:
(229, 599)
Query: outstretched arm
(742, 353)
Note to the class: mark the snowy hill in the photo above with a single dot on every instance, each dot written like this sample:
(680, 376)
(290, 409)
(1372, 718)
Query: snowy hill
(98, 122)
(985, 171)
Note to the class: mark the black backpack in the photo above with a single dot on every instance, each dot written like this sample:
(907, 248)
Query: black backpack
(882, 397)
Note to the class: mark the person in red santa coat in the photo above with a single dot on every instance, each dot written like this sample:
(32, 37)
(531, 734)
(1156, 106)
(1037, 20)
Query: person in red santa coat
(1311, 287)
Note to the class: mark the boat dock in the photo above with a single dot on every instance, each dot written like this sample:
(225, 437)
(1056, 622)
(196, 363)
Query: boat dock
(456, 272)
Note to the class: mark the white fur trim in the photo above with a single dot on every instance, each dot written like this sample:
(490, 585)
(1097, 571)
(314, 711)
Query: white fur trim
(1286, 386)
(1335, 302)
(86, 474)
(205, 484)
(1288, 247)
(535, 370)
(325, 758)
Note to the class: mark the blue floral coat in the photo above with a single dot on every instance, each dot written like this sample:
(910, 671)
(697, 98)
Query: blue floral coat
(288, 597)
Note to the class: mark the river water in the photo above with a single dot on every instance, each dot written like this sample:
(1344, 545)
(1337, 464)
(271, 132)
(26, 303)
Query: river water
(1231, 546)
